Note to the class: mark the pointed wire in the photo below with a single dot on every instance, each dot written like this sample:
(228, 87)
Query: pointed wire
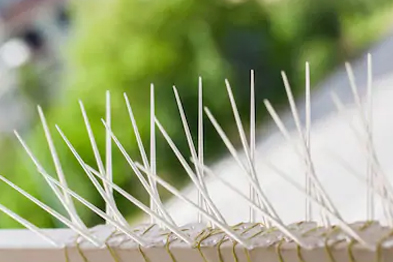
(370, 146)
(92, 139)
(220, 224)
(246, 148)
(69, 204)
(108, 201)
(370, 168)
(340, 109)
(308, 206)
(124, 225)
(108, 156)
(170, 225)
(285, 133)
(357, 99)
(142, 150)
(307, 156)
(190, 173)
(235, 155)
(99, 161)
(153, 167)
(30, 226)
(284, 229)
(141, 178)
(201, 202)
(252, 192)
(371, 158)
(59, 195)
(137, 135)
(341, 222)
(99, 212)
(191, 146)
(53, 212)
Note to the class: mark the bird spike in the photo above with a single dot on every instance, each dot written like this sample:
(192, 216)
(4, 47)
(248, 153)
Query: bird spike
(162, 239)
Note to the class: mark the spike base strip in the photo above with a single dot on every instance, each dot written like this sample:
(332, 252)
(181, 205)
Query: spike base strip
(17, 245)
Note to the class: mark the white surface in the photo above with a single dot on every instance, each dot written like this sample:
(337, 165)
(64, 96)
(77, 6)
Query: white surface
(330, 131)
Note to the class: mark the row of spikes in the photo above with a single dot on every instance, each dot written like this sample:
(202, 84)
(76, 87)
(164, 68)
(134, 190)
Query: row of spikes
(207, 211)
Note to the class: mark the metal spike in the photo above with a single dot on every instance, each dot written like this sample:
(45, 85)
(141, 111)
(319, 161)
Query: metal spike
(190, 173)
(100, 164)
(252, 193)
(321, 192)
(234, 154)
(108, 202)
(59, 170)
(145, 184)
(153, 167)
(54, 213)
(99, 212)
(265, 201)
(372, 159)
(175, 229)
(222, 225)
(344, 226)
(191, 146)
(201, 201)
(108, 157)
(255, 207)
(30, 226)
(71, 212)
(308, 182)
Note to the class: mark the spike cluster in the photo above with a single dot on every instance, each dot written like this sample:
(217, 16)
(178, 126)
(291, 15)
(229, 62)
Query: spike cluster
(211, 231)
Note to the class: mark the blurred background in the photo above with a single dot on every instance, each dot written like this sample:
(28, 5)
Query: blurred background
(54, 52)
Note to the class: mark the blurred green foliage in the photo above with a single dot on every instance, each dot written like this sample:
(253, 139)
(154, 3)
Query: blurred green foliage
(124, 45)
